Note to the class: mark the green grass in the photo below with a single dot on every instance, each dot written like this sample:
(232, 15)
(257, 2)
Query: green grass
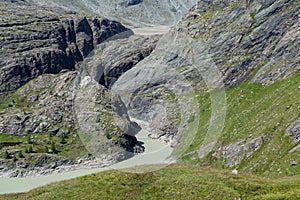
(254, 110)
(11, 138)
(71, 150)
(172, 182)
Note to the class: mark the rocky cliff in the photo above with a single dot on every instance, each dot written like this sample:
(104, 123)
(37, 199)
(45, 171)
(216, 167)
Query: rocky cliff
(247, 35)
(37, 41)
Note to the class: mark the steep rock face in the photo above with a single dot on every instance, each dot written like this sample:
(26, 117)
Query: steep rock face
(112, 59)
(40, 111)
(44, 112)
(47, 42)
(257, 41)
(162, 92)
(246, 35)
(155, 92)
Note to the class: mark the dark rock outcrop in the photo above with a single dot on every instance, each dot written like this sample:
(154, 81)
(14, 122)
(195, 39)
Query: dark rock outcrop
(130, 3)
(294, 131)
(114, 58)
(46, 41)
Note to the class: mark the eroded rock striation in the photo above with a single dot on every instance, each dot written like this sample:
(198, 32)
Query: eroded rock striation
(247, 35)
(37, 41)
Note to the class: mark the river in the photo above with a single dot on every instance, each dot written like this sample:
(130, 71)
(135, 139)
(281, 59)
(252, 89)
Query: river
(151, 30)
(155, 153)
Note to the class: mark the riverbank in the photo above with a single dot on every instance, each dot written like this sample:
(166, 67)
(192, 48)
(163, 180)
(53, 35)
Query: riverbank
(155, 153)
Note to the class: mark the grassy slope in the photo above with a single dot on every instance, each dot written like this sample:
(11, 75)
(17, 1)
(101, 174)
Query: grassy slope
(254, 110)
(173, 182)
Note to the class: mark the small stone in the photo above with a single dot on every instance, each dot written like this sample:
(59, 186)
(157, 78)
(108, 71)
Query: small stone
(235, 171)
(294, 163)
(54, 131)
